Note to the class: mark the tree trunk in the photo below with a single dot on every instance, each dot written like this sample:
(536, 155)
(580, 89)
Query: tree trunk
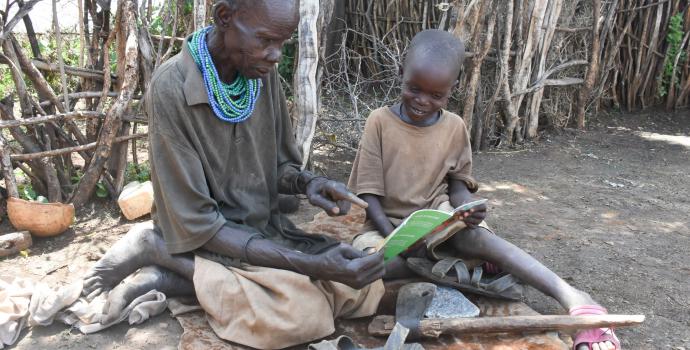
(199, 14)
(305, 84)
(553, 12)
(129, 58)
(510, 114)
(593, 70)
(475, 75)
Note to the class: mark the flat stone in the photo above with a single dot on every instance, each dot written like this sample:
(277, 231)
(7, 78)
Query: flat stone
(450, 303)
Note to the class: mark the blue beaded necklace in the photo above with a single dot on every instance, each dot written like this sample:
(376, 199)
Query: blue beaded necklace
(234, 102)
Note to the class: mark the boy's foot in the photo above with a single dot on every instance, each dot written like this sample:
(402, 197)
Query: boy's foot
(581, 304)
(140, 247)
(145, 280)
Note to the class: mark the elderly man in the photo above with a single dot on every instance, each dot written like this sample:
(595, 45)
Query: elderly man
(222, 150)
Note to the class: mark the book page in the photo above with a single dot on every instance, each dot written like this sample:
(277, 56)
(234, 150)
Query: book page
(415, 227)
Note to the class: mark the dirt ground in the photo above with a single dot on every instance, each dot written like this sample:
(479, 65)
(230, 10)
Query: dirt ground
(608, 210)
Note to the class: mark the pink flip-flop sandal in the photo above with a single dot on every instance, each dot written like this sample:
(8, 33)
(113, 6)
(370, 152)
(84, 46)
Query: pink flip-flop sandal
(595, 335)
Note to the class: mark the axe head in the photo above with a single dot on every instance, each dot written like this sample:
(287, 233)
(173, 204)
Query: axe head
(413, 301)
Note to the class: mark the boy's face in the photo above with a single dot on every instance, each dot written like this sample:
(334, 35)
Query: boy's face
(426, 89)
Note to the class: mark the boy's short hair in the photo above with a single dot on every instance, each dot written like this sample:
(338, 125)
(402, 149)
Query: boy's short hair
(438, 47)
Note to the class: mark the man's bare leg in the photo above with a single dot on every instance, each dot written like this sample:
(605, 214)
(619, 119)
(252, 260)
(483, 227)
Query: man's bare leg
(479, 243)
(143, 281)
(141, 246)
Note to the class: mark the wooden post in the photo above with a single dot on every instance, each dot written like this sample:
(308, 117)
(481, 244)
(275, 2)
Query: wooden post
(553, 12)
(305, 84)
(10, 181)
(58, 46)
(129, 58)
(592, 71)
(199, 14)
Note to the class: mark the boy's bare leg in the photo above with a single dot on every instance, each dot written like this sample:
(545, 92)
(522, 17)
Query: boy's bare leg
(140, 247)
(396, 268)
(479, 243)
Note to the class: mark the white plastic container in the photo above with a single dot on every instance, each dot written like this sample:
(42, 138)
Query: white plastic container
(136, 199)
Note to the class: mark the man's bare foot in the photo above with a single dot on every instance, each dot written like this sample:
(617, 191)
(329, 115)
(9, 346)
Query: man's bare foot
(145, 280)
(140, 247)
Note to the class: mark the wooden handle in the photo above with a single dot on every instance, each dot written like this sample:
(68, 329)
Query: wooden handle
(382, 325)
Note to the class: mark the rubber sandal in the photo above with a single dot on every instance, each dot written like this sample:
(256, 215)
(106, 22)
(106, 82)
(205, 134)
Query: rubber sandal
(595, 335)
(503, 285)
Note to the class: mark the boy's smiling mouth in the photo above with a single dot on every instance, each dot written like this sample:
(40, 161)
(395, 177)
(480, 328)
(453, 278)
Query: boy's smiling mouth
(417, 111)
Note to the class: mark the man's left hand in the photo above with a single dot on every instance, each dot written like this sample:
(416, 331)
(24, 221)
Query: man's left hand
(332, 196)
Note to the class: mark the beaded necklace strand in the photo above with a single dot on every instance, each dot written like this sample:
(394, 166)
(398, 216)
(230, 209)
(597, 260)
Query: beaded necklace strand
(234, 102)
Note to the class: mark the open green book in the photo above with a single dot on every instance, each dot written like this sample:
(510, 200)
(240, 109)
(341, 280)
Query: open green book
(420, 224)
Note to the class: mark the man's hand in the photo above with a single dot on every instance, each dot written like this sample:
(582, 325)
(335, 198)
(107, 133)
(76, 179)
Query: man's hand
(332, 196)
(347, 265)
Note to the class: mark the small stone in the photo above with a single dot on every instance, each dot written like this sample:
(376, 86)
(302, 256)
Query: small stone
(92, 256)
(609, 243)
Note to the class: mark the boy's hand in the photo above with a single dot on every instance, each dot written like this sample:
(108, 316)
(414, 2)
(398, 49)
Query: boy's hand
(332, 196)
(474, 216)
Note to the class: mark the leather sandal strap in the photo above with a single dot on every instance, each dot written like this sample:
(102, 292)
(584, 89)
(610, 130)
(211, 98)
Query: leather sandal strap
(476, 276)
(502, 283)
(442, 267)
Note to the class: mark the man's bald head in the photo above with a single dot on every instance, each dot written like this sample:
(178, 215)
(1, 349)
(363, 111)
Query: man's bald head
(435, 47)
(237, 5)
(248, 35)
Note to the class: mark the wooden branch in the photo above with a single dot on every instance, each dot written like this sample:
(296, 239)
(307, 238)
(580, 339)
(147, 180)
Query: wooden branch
(551, 16)
(7, 170)
(545, 81)
(79, 72)
(68, 150)
(4, 124)
(78, 96)
(511, 118)
(118, 160)
(383, 325)
(593, 70)
(305, 85)
(174, 39)
(13, 243)
(472, 86)
(572, 30)
(31, 33)
(670, 103)
(523, 64)
(58, 52)
(28, 6)
(128, 58)
(199, 14)
(643, 7)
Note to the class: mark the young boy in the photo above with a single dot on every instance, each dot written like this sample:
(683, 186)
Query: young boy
(416, 155)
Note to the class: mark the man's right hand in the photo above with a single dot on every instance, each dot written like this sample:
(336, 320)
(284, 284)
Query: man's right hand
(347, 265)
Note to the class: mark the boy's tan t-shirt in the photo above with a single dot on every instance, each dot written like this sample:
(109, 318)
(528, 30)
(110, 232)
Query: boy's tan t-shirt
(409, 166)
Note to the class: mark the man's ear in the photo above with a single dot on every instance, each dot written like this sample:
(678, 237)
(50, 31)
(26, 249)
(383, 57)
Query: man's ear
(223, 14)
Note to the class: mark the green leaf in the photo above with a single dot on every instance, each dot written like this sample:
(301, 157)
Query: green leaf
(101, 192)
(28, 193)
